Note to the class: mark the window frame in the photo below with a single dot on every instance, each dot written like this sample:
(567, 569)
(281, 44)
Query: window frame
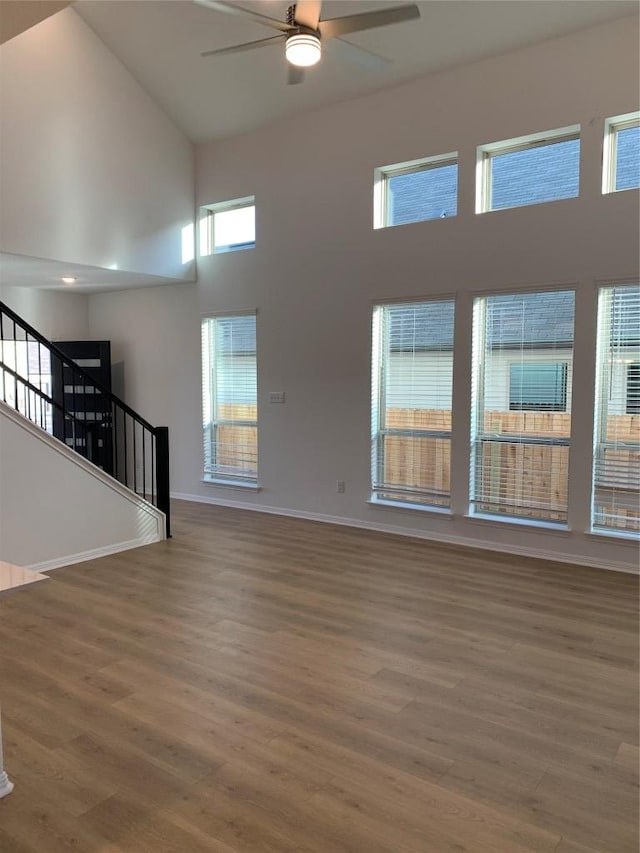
(383, 174)
(487, 152)
(380, 495)
(207, 232)
(210, 418)
(478, 411)
(605, 355)
(612, 127)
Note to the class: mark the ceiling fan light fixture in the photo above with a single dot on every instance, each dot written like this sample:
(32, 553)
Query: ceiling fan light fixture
(303, 49)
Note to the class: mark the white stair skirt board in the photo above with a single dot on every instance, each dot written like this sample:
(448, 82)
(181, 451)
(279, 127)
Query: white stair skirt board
(432, 536)
(80, 512)
(6, 786)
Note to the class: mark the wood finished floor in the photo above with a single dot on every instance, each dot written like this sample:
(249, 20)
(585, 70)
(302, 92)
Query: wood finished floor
(268, 685)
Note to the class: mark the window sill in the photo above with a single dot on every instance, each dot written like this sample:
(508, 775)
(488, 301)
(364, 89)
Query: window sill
(608, 535)
(403, 507)
(521, 523)
(231, 484)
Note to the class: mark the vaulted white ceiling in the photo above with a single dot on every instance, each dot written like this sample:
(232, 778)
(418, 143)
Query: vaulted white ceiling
(160, 41)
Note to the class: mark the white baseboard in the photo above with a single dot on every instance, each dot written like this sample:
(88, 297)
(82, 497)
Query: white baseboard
(444, 538)
(104, 551)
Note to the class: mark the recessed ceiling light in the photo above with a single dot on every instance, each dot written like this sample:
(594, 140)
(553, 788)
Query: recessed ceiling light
(68, 279)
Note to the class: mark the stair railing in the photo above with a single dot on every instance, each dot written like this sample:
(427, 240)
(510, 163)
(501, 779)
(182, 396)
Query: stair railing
(51, 390)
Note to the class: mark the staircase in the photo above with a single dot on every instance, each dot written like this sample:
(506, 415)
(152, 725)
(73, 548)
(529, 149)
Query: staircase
(45, 386)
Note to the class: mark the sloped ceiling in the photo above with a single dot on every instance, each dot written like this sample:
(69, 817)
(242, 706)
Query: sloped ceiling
(160, 41)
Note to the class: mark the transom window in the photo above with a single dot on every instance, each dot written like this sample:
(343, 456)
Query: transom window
(530, 170)
(621, 161)
(412, 362)
(521, 413)
(416, 191)
(228, 226)
(229, 399)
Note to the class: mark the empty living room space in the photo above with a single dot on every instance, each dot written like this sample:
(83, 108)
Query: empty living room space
(319, 426)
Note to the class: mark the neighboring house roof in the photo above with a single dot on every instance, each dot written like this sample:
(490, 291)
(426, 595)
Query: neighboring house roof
(236, 335)
(535, 319)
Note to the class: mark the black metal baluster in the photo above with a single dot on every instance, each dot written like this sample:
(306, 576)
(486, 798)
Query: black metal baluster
(126, 468)
(144, 466)
(154, 497)
(114, 438)
(162, 473)
(135, 467)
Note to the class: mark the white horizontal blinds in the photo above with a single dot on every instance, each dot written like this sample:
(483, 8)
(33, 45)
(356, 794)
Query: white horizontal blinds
(616, 480)
(230, 421)
(411, 402)
(523, 358)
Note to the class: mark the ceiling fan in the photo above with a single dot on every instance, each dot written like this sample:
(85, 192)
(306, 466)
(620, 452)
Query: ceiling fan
(303, 33)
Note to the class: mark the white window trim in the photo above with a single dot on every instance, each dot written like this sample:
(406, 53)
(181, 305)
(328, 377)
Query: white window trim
(218, 479)
(610, 149)
(207, 220)
(477, 350)
(231, 484)
(376, 369)
(485, 153)
(603, 319)
(382, 174)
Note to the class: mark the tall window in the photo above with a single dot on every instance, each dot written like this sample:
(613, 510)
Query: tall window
(412, 381)
(521, 421)
(621, 166)
(530, 170)
(229, 394)
(616, 477)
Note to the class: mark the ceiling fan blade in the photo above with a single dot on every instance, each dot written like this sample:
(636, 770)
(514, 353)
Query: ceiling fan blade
(335, 27)
(308, 13)
(240, 48)
(219, 6)
(295, 75)
(358, 55)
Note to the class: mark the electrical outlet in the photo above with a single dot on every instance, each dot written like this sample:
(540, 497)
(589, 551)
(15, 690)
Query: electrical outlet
(276, 396)
(340, 486)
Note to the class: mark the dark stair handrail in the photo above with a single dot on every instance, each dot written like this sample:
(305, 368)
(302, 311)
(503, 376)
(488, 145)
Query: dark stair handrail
(126, 432)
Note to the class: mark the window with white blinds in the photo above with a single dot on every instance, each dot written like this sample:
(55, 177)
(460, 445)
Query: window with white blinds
(229, 396)
(521, 415)
(616, 475)
(412, 363)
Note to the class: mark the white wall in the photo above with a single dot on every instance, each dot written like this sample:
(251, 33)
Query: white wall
(92, 171)
(65, 510)
(319, 266)
(57, 316)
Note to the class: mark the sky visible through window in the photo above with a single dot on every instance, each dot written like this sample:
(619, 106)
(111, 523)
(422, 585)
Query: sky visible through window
(235, 228)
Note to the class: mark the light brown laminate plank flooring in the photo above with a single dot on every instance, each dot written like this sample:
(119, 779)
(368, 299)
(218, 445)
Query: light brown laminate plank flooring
(260, 684)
